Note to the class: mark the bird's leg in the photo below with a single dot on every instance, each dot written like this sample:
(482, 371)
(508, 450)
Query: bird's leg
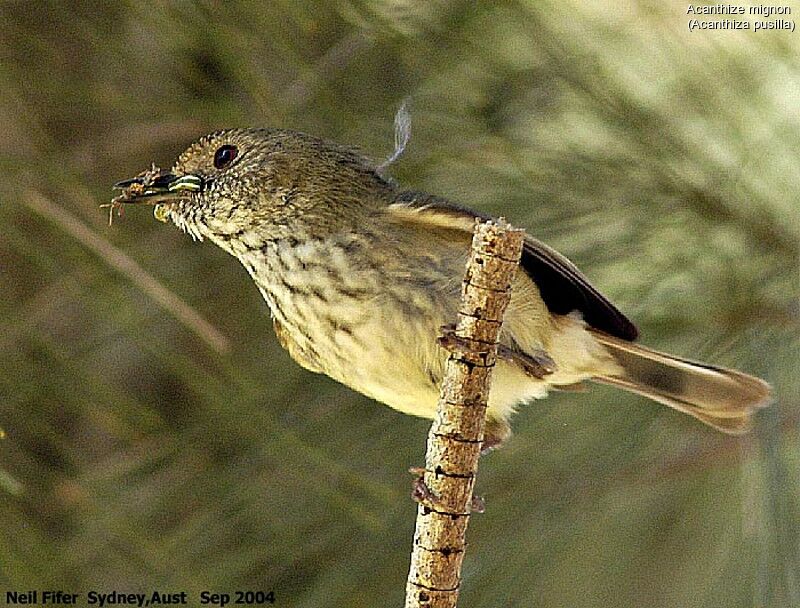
(494, 435)
(536, 363)
(421, 493)
(465, 348)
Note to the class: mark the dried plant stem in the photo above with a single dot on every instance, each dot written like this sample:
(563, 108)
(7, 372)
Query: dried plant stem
(454, 441)
(122, 263)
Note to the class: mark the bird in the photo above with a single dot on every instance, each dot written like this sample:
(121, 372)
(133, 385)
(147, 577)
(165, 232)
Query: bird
(360, 276)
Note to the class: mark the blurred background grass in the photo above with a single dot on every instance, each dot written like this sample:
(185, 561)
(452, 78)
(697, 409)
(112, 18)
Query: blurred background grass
(141, 453)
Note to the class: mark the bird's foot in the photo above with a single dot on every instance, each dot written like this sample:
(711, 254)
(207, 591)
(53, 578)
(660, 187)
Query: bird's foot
(420, 492)
(465, 348)
(536, 363)
(478, 505)
(490, 444)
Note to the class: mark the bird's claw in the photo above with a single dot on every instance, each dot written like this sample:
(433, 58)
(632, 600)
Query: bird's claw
(454, 343)
(536, 363)
(420, 492)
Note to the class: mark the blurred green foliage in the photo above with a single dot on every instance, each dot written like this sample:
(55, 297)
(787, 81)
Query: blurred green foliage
(137, 457)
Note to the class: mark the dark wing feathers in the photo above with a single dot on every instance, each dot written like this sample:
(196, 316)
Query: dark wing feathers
(563, 287)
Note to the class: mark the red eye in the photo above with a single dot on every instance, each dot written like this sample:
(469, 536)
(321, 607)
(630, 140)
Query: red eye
(224, 156)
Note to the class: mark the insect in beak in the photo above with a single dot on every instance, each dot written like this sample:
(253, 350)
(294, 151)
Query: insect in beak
(153, 187)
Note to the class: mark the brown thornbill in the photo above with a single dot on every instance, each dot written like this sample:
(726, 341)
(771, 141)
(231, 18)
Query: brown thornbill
(361, 275)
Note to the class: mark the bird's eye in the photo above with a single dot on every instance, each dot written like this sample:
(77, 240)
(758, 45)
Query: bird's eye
(224, 156)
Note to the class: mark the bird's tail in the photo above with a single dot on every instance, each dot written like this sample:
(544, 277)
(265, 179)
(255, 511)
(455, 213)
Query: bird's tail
(722, 398)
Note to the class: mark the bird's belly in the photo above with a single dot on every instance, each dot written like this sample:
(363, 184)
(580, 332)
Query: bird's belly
(373, 334)
(383, 354)
(377, 334)
(394, 358)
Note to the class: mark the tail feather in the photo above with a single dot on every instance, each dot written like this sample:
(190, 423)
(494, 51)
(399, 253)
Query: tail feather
(722, 398)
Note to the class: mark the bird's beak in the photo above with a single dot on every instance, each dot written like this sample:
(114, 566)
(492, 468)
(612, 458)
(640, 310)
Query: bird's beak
(156, 186)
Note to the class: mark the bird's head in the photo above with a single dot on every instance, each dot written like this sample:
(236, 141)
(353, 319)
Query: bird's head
(251, 184)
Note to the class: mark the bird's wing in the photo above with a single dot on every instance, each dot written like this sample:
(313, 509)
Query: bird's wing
(562, 286)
